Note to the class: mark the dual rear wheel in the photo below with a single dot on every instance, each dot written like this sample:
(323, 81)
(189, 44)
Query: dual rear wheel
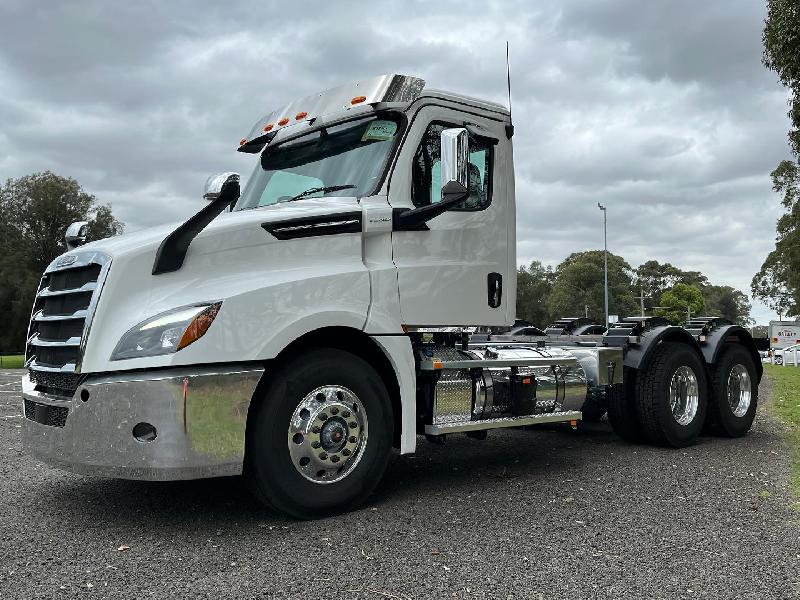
(671, 400)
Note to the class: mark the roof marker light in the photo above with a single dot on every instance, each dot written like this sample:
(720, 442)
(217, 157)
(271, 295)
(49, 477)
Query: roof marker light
(358, 100)
(300, 115)
(283, 121)
(268, 127)
(242, 141)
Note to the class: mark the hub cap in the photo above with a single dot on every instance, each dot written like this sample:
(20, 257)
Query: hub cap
(684, 395)
(739, 390)
(327, 434)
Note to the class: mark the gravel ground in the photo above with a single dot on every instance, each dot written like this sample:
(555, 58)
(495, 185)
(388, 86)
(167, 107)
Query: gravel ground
(544, 514)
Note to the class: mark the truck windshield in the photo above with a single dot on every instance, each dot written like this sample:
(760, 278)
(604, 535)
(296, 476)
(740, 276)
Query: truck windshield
(342, 160)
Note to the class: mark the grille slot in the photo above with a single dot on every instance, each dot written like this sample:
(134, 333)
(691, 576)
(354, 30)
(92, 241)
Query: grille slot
(71, 279)
(52, 416)
(53, 331)
(64, 302)
(67, 304)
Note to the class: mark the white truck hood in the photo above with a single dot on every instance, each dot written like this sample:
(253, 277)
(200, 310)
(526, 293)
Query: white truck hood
(228, 226)
(269, 287)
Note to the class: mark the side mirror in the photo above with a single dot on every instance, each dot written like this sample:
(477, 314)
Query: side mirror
(455, 163)
(76, 234)
(455, 182)
(214, 185)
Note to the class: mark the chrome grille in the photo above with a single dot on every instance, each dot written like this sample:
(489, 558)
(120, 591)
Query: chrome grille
(60, 320)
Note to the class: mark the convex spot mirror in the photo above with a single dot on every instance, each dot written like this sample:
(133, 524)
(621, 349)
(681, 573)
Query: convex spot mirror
(214, 185)
(455, 163)
(76, 234)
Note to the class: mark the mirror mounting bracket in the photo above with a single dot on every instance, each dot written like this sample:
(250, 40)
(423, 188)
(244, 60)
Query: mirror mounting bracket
(415, 219)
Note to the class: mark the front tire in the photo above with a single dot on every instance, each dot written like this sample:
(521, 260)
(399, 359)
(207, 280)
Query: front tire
(734, 392)
(672, 395)
(320, 438)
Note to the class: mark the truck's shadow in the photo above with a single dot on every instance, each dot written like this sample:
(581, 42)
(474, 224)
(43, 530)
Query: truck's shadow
(453, 467)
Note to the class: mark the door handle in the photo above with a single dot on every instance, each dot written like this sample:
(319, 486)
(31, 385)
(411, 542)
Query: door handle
(494, 284)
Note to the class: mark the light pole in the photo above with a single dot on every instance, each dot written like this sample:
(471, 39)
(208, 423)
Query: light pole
(605, 258)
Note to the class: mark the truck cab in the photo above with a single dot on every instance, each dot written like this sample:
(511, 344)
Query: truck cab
(300, 328)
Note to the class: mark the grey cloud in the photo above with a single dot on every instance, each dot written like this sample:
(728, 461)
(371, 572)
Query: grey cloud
(661, 110)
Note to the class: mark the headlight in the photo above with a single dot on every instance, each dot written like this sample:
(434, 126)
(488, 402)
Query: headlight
(167, 332)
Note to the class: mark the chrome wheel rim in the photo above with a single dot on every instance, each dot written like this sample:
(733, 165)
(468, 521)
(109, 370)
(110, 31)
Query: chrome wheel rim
(684, 395)
(327, 434)
(740, 393)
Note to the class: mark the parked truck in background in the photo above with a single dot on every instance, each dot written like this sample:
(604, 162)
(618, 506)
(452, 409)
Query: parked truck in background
(298, 332)
(782, 334)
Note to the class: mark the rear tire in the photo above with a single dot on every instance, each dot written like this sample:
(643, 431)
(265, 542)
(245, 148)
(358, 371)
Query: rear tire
(734, 392)
(672, 395)
(320, 438)
(622, 408)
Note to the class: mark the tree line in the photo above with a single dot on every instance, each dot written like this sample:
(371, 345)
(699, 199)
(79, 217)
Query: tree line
(37, 209)
(575, 289)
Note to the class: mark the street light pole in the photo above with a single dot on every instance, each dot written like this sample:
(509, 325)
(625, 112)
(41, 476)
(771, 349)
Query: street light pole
(605, 258)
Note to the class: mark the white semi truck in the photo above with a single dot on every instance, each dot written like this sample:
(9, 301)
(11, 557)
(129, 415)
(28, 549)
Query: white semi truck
(298, 332)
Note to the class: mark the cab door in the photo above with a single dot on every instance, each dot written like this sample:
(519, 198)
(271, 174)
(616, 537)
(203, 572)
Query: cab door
(455, 269)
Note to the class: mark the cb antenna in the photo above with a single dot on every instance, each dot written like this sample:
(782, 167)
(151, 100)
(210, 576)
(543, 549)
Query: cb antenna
(510, 126)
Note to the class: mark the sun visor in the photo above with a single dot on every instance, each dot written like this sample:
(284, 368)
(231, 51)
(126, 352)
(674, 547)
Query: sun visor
(384, 88)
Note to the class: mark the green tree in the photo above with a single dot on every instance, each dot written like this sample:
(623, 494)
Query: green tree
(534, 284)
(782, 55)
(653, 279)
(778, 281)
(579, 284)
(679, 300)
(36, 212)
(727, 302)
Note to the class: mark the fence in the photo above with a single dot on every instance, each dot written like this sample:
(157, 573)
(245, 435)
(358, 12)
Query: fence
(795, 350)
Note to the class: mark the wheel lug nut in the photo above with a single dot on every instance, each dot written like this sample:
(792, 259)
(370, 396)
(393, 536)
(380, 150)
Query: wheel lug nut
(334, 458)
(334, 411)
(323, 417)
(315, 444)
(346, 414)
(353, 439)
(346, 452)
(353, 424)
(323, 455)
(316, 429)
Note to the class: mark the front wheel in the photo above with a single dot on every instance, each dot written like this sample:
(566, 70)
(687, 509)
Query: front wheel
(320, 437)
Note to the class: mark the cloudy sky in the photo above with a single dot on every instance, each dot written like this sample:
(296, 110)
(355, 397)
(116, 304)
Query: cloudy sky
(660, 110)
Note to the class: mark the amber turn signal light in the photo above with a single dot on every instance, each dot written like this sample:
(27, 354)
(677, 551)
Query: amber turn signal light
(199, 325)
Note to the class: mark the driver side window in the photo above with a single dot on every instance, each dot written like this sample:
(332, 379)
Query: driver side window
(426, 185)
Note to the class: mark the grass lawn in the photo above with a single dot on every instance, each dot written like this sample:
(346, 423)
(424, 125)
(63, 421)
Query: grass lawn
(11, 362)
(786, 405)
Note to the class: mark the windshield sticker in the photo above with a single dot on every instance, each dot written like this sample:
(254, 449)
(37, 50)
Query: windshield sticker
(379, 130)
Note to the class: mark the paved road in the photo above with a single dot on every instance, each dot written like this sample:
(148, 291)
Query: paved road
(546, 514)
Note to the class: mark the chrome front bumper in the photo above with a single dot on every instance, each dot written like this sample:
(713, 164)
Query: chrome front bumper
(199, 415)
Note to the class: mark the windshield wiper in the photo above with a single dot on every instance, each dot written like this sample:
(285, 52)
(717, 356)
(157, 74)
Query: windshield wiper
(323, 190)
